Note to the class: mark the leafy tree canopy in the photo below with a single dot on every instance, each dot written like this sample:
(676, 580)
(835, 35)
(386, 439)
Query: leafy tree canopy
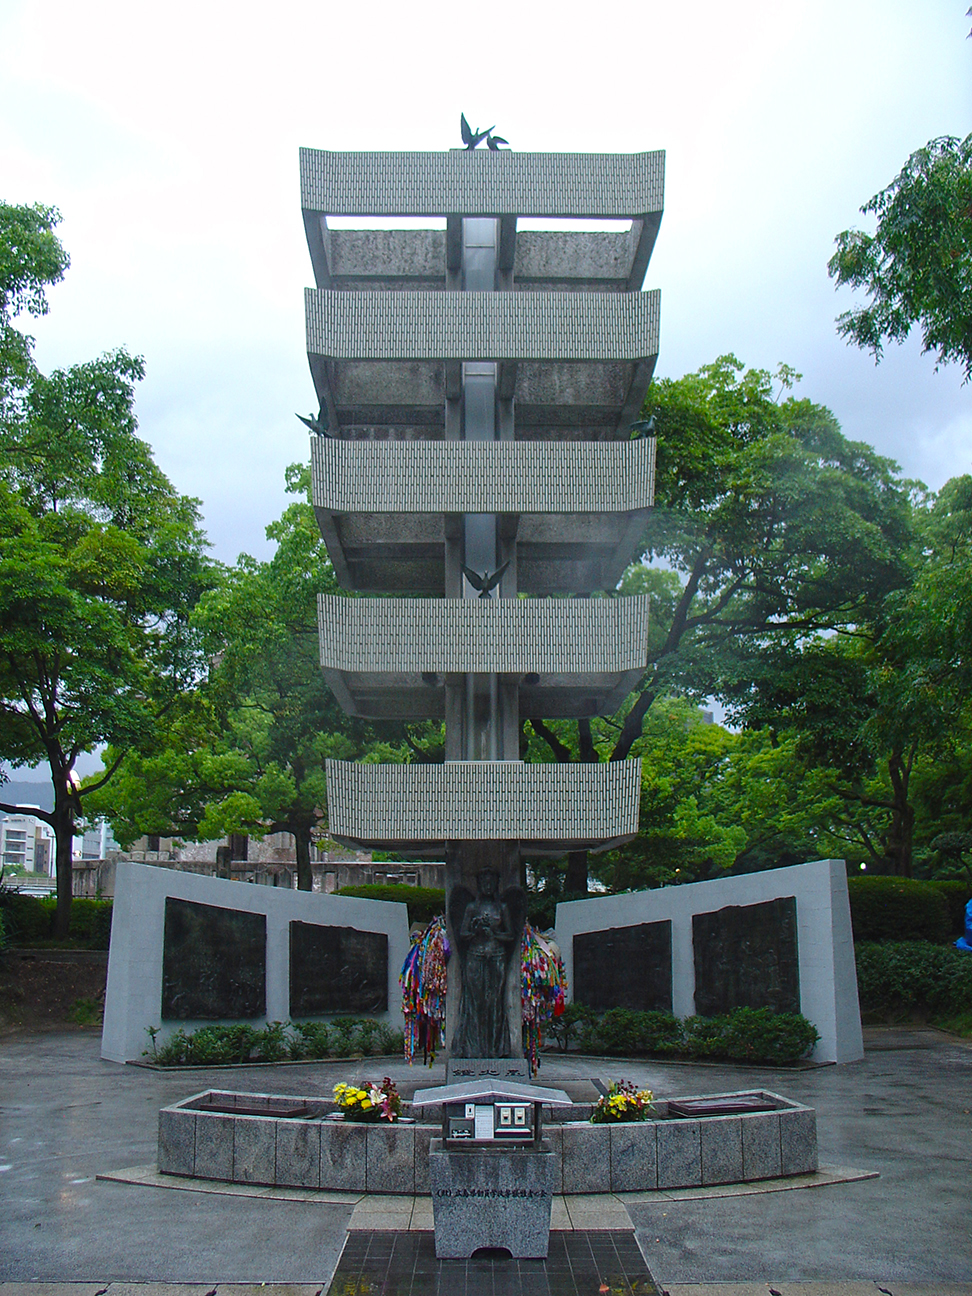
(887, 694)
(770, 520)
(31, 259)
(916, 268)
(101, 559)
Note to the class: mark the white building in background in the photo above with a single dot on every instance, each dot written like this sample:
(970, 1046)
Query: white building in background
(27, 842)
(98, 841)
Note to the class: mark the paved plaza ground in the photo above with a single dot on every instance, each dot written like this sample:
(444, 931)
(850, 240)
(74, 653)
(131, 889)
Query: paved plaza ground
(905, 1112)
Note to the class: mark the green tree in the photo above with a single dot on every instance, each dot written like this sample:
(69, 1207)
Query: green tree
(101, 560)
(916, 267)
(884, 701)
(713, 801)
(247, 756)
(31, 259)
(768, 523)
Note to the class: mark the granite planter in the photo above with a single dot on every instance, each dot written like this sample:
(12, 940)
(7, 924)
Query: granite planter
(267, 1144)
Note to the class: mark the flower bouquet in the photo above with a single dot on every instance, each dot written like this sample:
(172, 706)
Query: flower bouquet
(374, 1102)
(622, 1102)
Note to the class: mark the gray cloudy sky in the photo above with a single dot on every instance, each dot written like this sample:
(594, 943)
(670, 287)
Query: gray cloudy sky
(168, 137)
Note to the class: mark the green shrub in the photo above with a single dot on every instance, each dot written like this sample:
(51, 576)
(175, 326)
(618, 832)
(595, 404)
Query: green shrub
(745, 1035)
(390, 1040)
(913, 979)
(30, 920)
(3, 933)
(310, 1040)
(271, 1044)
(276, 1042)
(705, 1036)
(208, 1046)
(345, 1029)
(623, 1032)
(424, 903)
(662, 1032)
(571, 1023)
(27, 918)
(761, 1035)
(959, 1024)
(91, 922)
(617, 1033)
(897, 909)
(957, 895)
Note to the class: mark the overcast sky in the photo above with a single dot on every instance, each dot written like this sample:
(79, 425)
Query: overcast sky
(168, 135)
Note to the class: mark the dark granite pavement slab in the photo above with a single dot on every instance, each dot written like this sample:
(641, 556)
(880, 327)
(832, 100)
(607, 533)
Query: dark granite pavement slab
(579, 1264)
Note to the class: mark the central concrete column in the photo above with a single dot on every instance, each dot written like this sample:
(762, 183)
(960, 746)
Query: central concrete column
(483, 707)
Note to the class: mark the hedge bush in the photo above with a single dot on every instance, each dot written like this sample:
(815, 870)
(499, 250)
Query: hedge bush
(29, 920)
(276, 1042)
(898, 909)
(424, 903)
(913, 979)
(746, 1035)
(751, 1035)
(91, 922)
(957, 896)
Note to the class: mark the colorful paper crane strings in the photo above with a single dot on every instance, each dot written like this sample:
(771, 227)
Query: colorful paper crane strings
(424, 980)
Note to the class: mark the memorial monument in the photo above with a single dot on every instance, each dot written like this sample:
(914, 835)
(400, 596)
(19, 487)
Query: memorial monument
(473, 463)
(478, 463)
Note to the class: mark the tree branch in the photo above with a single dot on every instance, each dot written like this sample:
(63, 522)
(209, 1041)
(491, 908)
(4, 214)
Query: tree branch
(560, 750)
(631, 729)
(28, 810)
(93, 787)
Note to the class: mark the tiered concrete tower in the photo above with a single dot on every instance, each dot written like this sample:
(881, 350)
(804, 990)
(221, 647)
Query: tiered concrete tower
(480, 382)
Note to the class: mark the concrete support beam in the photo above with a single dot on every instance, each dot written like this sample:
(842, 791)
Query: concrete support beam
(454, 252)
(315, 229)
(643, 235)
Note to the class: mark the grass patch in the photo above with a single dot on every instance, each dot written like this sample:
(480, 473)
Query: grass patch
(87, 1012)
(960, 1024)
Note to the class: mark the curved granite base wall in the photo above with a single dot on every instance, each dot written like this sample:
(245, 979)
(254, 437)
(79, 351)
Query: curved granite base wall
(344, 1157)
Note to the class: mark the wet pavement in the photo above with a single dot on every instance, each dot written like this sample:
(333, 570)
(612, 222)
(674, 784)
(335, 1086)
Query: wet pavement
(904, 1112)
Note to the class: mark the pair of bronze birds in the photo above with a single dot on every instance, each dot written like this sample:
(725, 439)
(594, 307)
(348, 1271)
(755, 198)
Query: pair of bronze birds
(472, 137)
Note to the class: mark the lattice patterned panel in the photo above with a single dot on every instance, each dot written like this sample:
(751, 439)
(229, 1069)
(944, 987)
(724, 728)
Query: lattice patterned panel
(549, 636)
(482, 325)
(621, 185)
(486, 801)
(482, 476)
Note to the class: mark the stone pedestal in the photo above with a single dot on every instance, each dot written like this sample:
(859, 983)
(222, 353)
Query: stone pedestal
(502, 1070)
(491, 1197)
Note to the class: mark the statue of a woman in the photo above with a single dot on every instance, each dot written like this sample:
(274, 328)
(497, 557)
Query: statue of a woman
(487, 930)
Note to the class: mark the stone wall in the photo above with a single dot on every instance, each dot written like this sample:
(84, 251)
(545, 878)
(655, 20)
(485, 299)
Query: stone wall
(780, 939)
(188, 951)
